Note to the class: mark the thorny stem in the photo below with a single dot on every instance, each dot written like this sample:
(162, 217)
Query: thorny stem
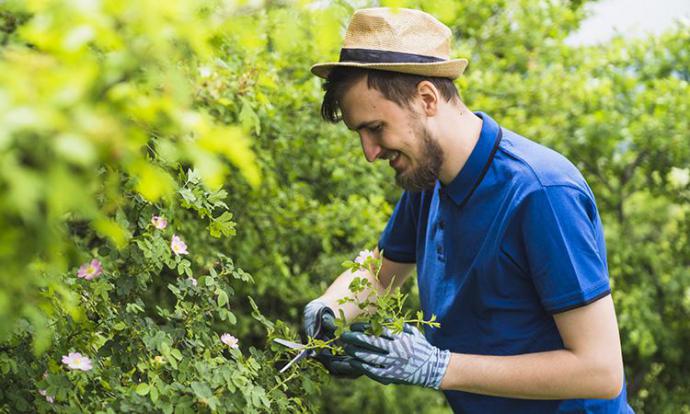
(325, 345)
(416, 321)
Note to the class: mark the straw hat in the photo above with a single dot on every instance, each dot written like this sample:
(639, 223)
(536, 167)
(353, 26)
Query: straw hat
(398, 40)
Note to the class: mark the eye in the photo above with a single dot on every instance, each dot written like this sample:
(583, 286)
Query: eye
(376, 128)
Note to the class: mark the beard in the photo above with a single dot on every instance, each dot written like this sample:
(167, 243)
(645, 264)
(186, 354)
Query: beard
(423, 176)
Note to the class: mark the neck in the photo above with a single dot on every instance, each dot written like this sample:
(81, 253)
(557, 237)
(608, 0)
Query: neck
(460, 133)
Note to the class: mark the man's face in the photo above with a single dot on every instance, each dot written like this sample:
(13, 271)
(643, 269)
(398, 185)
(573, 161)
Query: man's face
(390, 132)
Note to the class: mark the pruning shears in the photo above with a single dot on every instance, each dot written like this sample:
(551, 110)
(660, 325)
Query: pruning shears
(325, 327)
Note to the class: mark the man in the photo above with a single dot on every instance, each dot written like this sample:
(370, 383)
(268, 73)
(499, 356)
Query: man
(504, 233)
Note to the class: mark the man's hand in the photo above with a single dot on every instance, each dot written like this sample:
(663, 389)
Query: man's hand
(310, 322)
(319, 317)
(404, 358)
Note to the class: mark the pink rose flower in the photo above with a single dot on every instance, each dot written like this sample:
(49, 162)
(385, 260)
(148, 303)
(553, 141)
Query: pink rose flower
(159, 222)
(75, 360)
(178, 246)
(363, 256)
(229, 340)
(90, 271)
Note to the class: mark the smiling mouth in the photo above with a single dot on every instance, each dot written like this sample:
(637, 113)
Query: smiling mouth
(393, 158)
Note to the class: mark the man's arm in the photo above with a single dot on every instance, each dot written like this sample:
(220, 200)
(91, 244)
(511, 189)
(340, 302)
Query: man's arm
(590, 366)
(390, 271)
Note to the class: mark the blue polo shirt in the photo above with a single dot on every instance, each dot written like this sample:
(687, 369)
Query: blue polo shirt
(513, 239)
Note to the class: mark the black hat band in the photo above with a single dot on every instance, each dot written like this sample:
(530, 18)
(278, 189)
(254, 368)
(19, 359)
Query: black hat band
(384, 56)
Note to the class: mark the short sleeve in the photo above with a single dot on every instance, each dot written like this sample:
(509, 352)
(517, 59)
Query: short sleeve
(399, 239)
(564, 247)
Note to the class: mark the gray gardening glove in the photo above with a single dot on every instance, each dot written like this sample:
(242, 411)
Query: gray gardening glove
(310, 324)
(404, 358)
(337, 365)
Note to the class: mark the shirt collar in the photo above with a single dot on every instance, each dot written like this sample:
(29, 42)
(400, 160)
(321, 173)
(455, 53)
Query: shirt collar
(464, 183)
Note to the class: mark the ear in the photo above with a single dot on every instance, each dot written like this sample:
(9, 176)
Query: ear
(429, 97)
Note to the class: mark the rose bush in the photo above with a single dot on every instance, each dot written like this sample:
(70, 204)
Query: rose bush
(154, 332)
(117, 293)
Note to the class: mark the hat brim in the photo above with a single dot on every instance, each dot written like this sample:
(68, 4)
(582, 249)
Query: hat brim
(445, 69)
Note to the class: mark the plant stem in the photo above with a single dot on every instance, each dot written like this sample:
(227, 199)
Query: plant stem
(283, 381)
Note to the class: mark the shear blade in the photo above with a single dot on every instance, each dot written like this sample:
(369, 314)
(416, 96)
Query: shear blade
(293, 360)
(289, 344)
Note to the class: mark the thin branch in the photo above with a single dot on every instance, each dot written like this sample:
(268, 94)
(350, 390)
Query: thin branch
(283, 381)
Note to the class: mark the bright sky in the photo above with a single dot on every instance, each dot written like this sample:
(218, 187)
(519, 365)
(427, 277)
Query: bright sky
(631, 17)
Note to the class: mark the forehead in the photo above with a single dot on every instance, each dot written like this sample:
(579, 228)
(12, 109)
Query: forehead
(361, 104)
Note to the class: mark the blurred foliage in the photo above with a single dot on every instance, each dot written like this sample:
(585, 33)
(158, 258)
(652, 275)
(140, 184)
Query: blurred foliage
(205, 112)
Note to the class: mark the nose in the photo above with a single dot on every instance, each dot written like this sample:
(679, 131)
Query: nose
(371, 149)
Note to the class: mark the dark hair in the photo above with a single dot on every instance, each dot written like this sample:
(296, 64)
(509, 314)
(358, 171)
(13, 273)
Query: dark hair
(394, 86)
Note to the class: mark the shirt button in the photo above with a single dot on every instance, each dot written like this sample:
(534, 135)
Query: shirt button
(439, 249)
(441, 224)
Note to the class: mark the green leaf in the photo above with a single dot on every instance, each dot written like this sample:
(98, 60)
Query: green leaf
(222, 226)
(176, 353)
(232, 319)
(256, 314)
(142, 389)
(201, 390)
(154, 393)
(248, 118)
(173, 289)
(184, 267)
(187, 194)
(222, 298)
